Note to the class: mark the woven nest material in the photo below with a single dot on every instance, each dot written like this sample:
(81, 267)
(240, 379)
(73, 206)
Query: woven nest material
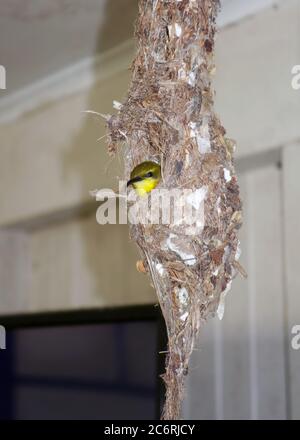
(168, 117)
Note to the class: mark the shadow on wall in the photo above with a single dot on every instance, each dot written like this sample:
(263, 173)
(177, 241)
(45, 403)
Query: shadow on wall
(120, 15)
(106, 250)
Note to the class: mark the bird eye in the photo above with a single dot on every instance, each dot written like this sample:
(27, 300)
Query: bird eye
(150, 174)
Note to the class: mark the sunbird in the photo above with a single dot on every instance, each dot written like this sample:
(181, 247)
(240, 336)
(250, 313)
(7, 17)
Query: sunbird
(145, 177)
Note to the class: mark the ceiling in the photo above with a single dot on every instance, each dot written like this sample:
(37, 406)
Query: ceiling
(40, 37)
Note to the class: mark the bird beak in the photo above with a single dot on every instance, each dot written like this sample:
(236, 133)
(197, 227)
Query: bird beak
(135, 179)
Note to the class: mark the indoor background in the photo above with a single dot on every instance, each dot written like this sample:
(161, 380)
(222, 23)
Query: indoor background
(63, 57)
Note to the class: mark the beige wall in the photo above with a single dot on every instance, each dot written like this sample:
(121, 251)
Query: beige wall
(244, 367)
(54, 255)
(50, 159)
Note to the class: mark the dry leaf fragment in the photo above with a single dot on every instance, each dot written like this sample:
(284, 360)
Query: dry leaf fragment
(140, 267)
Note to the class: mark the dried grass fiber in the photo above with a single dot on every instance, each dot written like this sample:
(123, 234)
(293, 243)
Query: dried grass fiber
(168, 116)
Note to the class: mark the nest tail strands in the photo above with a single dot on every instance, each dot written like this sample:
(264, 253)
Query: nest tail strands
(168, 117)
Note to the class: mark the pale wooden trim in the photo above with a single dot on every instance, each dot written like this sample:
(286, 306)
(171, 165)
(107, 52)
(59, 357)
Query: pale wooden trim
(291, 216)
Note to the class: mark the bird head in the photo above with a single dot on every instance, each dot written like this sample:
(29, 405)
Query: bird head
(145, 177)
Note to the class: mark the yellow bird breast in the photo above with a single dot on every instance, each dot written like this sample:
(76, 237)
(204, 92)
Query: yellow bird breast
(145, 186)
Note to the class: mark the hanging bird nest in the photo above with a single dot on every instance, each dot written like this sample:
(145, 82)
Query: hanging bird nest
(168, 117)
